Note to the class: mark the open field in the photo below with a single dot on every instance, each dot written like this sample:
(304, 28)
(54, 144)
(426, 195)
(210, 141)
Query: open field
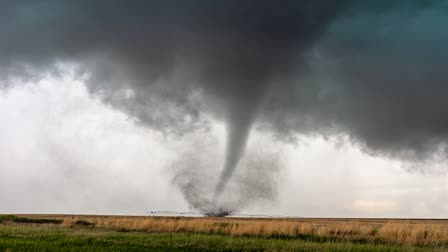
(98, 233)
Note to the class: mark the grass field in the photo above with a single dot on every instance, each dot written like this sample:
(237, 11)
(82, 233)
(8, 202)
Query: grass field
(124, 233)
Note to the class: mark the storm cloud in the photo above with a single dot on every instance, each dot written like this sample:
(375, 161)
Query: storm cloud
(371, 70)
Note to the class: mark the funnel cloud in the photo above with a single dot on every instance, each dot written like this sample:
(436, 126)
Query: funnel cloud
(355, 68)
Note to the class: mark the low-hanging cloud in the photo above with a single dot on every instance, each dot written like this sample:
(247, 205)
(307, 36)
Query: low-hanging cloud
(373, 70)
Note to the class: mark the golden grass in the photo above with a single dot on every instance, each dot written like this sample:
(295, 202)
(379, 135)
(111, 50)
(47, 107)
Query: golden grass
(396, 232)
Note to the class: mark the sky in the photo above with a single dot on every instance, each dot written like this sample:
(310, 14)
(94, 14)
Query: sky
(310, 108)
(64, 151)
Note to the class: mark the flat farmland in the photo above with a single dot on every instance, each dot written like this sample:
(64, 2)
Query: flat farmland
(142, 233)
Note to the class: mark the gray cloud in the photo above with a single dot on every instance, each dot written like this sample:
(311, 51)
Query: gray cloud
(371, 70)
(380, 78)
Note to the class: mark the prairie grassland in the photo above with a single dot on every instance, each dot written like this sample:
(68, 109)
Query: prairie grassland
(26, 237)
(384, 231)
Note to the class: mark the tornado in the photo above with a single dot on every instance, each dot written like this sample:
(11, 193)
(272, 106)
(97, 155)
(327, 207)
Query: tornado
(238, 131)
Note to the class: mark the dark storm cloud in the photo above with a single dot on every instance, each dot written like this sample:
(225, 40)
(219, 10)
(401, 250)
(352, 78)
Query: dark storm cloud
(381, 78)
(371, 69)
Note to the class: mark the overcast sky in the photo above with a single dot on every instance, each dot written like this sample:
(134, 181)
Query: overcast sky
(305, 108)
(63, 151)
